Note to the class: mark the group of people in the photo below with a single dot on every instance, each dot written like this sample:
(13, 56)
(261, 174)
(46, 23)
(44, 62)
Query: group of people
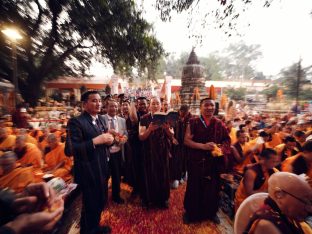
(119, 138)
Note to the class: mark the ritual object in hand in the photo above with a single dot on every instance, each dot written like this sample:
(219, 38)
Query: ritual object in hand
(217, 152)
(120, 138)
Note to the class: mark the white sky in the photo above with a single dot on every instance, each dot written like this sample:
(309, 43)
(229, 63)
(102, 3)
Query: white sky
(283, 30)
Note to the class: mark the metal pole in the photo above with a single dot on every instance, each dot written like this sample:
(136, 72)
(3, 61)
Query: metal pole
(298, 85)
(14, 74)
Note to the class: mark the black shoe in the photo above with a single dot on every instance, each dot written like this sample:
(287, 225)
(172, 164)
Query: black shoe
(216, 220)
(186, 219)
(119, 200)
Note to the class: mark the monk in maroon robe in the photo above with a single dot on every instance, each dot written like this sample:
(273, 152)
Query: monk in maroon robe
(205, 135)
(156, 150)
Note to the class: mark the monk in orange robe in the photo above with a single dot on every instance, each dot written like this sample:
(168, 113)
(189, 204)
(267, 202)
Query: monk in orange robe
(56, 162)
(300, 163)
(42, 141)
(6, 141)
(288, 148)
(256, 176)
(27, 153)
(13, 176)
(276, 138)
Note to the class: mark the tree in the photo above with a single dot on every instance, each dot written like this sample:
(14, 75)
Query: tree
(293, 78)
(224, 16)
(60, 38)
(271, 91)
(212, 67)
(236, 94)
(237, 62)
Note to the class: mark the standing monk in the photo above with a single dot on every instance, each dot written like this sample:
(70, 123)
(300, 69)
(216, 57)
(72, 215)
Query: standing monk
(202, 135)
(88, 141)
(156, 148)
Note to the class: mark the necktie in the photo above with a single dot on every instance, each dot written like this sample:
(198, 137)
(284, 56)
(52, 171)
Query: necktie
(112, 124)
(98, 124)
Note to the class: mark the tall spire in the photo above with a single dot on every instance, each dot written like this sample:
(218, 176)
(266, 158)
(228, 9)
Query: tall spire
(192, 58)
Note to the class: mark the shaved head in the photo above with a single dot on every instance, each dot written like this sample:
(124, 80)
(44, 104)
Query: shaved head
(7, 161)
(292, 193)
(52, 140)
(3, 133)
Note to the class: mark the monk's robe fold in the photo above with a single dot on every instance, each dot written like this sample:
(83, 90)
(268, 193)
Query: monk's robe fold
(276, 140)
(8, 143)
(17, 179)
(56, 156)
(33, 156)
(31, 140)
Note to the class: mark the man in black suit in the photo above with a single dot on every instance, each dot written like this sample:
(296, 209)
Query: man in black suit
(88, 141)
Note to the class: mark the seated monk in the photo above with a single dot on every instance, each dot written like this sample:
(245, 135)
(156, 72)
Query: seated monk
(13, 176)
(29, 138)
(300, 163)
(56, 162)
(27, 154)
(42, 140)
(287, 149)
(256, 176)
(285, 209)
(242, 154)
(276, 137)
(6, 141)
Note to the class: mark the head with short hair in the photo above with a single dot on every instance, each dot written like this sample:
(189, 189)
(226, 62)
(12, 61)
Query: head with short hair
(292, 193)
(142, 104)
(300, 136)
(207, 107)
(155, 104)
(269, 158)
(52, 141)
(290, 142)
(241, 136)
(85, 95)
(20, 141)
(92, 102)
(112, 107)
(7, 162)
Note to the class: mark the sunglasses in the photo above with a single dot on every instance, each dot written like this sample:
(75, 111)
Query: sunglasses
(308, 204)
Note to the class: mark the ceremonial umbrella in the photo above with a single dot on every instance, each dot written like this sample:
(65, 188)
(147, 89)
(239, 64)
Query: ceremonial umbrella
(212, 93)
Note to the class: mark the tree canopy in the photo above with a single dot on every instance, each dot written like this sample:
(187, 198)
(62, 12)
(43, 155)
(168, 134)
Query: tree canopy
(60, 38)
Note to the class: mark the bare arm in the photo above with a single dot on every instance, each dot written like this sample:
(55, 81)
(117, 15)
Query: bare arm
(196, 145)
(249, 181)
(236, 155)
(264, 226)
(145, 132)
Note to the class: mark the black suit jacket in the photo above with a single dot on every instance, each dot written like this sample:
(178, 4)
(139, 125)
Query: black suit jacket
(90, 162)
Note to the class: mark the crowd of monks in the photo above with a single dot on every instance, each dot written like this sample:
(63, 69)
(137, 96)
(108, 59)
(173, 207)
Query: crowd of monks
(27, 155)
(157, 159)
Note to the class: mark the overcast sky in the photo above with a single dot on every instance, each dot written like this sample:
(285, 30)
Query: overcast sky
(283, 30)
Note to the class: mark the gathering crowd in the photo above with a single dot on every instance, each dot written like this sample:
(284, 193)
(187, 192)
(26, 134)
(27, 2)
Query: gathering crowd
(114, 139)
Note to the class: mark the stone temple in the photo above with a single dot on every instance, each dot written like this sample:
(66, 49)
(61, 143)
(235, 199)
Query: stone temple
(193, 83)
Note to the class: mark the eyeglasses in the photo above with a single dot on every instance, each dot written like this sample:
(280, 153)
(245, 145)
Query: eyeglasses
(307, 204)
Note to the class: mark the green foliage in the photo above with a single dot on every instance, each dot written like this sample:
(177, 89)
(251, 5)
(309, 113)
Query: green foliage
(224, 17)
(294, 78)
(236, 94)
(237, 63)
(60, 38)
(271, 91)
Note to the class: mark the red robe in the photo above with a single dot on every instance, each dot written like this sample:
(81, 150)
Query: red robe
(156, 150)
(201, 199)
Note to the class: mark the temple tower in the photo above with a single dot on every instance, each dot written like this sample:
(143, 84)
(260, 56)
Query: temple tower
(193, 83)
